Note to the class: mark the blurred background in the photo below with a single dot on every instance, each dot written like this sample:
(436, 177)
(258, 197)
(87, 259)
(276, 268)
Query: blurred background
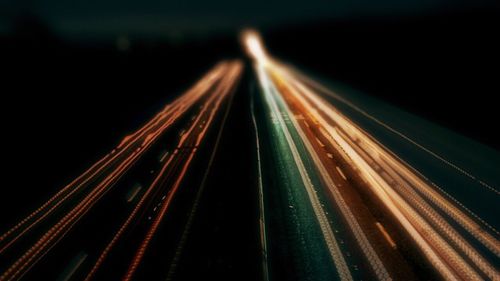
(78, 75)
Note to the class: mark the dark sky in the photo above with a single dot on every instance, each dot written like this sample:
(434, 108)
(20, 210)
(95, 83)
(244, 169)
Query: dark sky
(163, 16)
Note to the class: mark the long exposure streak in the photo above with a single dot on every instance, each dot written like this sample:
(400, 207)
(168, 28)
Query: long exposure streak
(309, 185)
(47, 225)
(445, 233)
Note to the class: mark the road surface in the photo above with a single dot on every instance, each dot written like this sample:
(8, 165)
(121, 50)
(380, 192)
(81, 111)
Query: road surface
(98, 205)
(308, 185)
(381, 201)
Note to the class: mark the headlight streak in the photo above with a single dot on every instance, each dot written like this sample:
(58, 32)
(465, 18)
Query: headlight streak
(407, 195)
(335, 252)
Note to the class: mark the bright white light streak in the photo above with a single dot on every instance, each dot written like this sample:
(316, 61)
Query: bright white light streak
(333, 247)
(413, 223)
(254, 48)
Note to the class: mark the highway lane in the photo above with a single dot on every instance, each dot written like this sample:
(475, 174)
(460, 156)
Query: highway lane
(440, 229)
(308, 179)
(396, 173)
(192, 188)
(31, 239)
(463, 169)
(335, 203)
(222, 240)
(129, 148)
(294, 240)
(317, 147)
(191, 139)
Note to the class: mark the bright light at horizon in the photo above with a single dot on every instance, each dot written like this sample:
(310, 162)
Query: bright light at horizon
(254, 46)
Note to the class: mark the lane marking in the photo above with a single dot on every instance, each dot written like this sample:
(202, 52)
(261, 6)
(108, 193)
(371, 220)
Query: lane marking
(386, 235)
(165, 154)
(372, 257)
(133, 193)
(385, 125)
(340, 172)
(385, 150)
(320, 143)
(75, 263)
(333, 247)
(175, 260)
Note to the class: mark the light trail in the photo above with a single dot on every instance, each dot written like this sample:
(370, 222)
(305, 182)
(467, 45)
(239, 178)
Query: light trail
(321, 89)
(73, 267)
(174, 158)
(166, 117)
(423, 212)
(194, 209)
(99, 179)
(193, 138)
(375, 262)
(474, 229)
(133, 192)
(331, 242)
(253, 44)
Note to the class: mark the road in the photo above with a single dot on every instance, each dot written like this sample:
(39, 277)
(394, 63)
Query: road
(285, 180)
(28, 247)
(379, 199)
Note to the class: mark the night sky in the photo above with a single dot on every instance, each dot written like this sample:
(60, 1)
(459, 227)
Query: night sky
(160, 17)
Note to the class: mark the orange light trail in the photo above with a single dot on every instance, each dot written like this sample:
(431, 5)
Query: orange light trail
(173, 160)
(406, 194)
(111, 167)
(213, 104)
(172, 111)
